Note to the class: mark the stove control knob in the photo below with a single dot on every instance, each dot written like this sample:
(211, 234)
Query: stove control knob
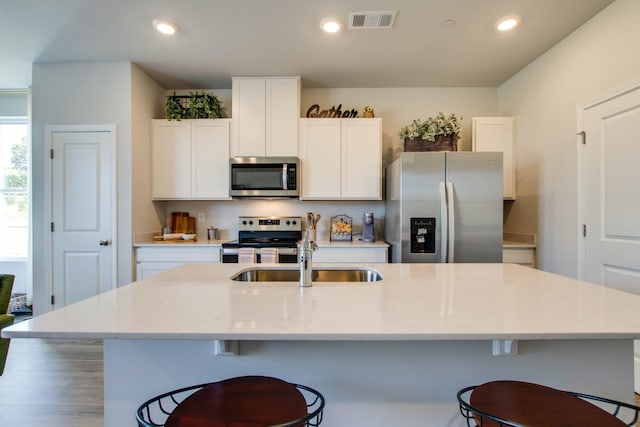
(250, 222)
(288, 222)
(294, 222)
(244, 222)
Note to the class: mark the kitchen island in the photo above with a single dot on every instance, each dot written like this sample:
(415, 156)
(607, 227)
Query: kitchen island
(391, 352)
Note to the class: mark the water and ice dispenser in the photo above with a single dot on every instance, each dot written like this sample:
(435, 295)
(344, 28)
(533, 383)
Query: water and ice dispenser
(423, 235)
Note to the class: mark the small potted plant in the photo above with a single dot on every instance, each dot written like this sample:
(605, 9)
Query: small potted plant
(193, 106)
(440, 133)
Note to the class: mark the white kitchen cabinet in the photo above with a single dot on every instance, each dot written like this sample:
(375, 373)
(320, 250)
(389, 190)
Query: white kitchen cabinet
(522, 256)
(519, 248)
(265, 113)
(154, 259)
(190, 159)
(354, 254)
(341, 159)
(498, 134)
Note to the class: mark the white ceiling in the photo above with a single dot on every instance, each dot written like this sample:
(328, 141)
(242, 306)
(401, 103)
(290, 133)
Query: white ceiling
(223, 38)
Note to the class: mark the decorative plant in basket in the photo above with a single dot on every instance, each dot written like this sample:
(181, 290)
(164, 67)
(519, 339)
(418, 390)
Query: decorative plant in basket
(193, 106)
(438, 133)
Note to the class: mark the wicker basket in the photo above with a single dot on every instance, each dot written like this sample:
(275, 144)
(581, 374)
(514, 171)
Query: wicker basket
(442, 143)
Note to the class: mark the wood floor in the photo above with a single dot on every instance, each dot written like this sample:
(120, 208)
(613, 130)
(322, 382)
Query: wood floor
(57, 383)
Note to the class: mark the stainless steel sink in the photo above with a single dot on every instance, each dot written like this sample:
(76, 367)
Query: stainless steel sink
(318, 275)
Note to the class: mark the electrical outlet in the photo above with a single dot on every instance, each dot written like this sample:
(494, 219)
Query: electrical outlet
(200, 217)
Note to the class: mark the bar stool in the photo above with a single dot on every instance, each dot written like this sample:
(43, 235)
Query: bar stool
(251, 401)
(519, 404)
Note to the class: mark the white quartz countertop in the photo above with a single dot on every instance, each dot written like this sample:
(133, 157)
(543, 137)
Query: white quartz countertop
(179, 243)
(412, 302)
(205, 242)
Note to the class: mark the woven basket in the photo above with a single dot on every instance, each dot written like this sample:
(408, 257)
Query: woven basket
(442, 143)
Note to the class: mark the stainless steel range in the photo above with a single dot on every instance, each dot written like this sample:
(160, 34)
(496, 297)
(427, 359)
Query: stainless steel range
(266, 232)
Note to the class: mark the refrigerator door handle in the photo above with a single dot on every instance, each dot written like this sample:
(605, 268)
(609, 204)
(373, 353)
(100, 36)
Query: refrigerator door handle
(444, 228)
(451, 234)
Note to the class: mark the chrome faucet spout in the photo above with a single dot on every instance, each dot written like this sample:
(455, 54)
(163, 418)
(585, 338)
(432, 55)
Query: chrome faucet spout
(307, 247)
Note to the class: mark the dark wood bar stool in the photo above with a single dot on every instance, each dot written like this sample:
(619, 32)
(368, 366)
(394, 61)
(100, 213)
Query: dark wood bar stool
(520, 404)
(252, 401)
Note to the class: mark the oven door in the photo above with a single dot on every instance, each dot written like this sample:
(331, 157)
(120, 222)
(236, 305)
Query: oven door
(264, 177)
(285, 255)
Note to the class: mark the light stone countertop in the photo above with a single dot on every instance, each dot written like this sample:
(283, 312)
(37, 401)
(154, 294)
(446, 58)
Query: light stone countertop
(178, 243)
(146, 240)
(413, 302)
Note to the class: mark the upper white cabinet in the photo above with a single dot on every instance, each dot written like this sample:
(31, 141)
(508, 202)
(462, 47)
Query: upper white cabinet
(265, 113)
(498, 134)
(190, 159)
(341, 159)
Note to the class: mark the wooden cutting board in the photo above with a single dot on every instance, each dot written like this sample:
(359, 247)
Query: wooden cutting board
(181, 222)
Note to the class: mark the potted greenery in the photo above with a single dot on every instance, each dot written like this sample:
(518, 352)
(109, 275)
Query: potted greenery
(440, 133)
(193, 106)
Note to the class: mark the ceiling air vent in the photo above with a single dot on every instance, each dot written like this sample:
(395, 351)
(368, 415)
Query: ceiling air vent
(371, 20)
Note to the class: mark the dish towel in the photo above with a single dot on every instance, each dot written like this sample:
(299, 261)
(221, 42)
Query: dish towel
(269, 255)
(246, 255)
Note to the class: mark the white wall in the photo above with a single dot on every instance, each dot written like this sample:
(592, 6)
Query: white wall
(224, 214)
(14, 102)
(80, 93)
(399, 106)
(147, 102)
(598, 57)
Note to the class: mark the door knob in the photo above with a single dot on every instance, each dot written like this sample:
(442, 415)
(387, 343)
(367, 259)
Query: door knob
(104, 243)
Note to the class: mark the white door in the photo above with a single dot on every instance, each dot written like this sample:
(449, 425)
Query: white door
(611, 202)
(82, 214)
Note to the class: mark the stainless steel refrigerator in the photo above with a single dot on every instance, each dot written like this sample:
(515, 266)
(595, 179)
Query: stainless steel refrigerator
(444, 207)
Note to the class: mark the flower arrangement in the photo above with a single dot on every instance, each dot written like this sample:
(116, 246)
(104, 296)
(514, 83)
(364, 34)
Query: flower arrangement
(427, 130)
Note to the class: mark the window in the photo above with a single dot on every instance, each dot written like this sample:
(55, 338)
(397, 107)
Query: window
(14, 187)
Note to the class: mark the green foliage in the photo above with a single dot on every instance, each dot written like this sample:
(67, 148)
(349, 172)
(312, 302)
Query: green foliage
(442, 124)
(194, 106)
(17, 178)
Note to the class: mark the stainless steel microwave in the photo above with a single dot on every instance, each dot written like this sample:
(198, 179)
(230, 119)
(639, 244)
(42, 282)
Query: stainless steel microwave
(264, 177)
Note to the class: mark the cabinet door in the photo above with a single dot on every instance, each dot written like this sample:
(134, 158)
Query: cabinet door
(498, 134)
(361, 159)
(320, 158)
(148, 269)
(282, 114)
(248, 124)
(351, 255)
(171, 159)
(210, 159)
(519, 256)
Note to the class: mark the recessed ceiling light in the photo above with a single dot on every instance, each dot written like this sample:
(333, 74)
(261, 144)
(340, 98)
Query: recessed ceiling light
(508, 23)
(165, 27)
(331, 25)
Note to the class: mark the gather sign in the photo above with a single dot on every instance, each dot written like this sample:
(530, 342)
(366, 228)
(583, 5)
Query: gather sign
(314, 111)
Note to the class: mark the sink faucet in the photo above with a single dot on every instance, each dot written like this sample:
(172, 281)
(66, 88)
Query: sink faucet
(307, 247)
